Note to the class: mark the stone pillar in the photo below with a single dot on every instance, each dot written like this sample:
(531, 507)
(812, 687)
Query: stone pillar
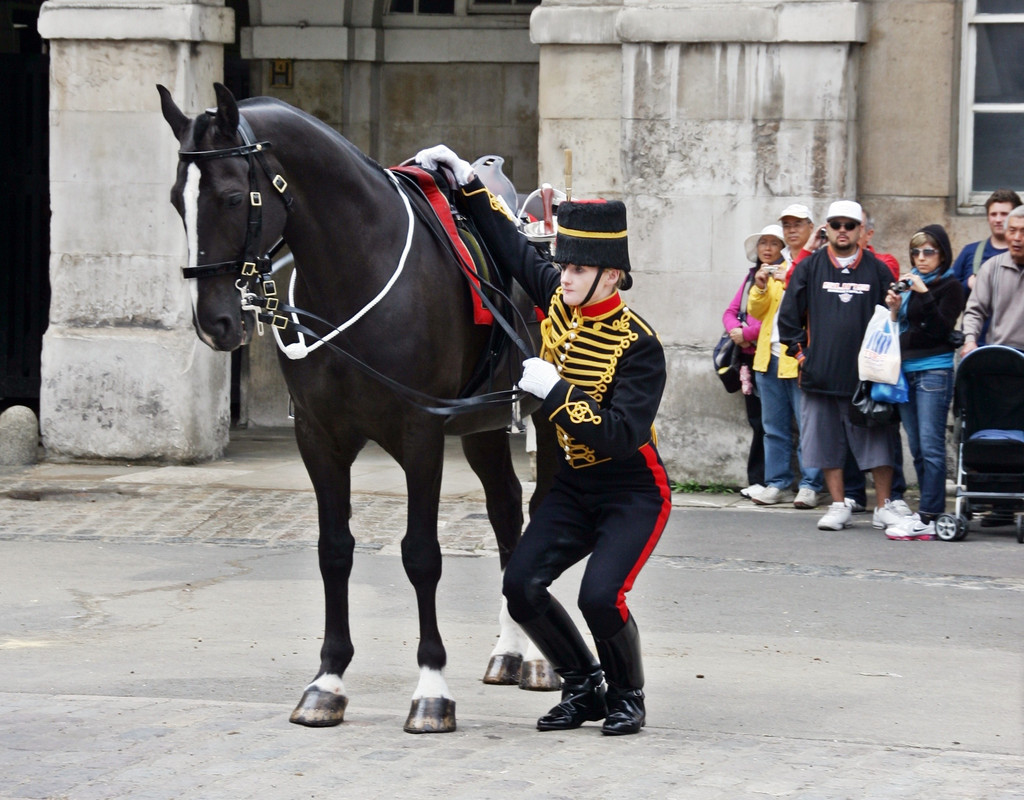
(580, 100)
(707, 117)
(123, 373)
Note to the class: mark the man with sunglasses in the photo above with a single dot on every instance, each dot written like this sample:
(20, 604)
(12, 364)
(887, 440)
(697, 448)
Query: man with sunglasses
(853, 478)
(831, 297)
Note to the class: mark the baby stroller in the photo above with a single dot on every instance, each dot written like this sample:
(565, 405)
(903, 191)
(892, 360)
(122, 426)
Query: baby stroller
(988, 432)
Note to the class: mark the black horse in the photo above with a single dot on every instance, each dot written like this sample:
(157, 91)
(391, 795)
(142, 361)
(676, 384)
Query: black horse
(253, 173)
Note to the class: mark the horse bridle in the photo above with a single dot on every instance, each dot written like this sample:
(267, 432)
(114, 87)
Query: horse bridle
(254, 265)
(252, 262)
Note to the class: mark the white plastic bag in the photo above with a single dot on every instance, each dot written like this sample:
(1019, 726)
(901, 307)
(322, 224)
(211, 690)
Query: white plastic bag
(879, 358)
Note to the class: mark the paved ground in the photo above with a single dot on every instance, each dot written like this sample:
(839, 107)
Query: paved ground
(157, 625)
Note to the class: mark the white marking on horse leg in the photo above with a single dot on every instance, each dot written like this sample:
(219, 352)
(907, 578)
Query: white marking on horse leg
(511, 640)
(190, 196)
(533, 653)
(328, 682)
(432, 684)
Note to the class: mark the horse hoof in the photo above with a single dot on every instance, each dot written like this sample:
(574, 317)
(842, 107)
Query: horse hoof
(319, 709)
(504, 669)
(538, 676)
(431, 715)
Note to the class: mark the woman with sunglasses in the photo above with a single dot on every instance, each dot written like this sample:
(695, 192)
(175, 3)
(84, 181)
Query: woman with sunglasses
(927, 312)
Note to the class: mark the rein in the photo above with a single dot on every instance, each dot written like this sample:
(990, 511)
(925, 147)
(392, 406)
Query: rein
(299, 349)
(260, 267)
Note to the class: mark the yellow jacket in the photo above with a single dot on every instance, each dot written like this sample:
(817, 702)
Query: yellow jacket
(762, 304)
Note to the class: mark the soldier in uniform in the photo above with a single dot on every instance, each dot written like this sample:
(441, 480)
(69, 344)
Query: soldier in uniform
(600, 377)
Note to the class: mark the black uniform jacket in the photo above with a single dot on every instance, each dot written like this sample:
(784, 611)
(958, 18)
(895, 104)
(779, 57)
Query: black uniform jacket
(611, 362)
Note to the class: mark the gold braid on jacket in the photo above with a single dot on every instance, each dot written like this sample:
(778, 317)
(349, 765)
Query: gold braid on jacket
(586, 351)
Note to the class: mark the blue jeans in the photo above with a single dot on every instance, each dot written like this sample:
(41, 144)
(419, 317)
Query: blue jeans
(780, 403)
(924, 418)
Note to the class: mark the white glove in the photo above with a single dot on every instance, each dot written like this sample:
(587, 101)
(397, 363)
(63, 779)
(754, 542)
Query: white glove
(443, 155)
(539, 377)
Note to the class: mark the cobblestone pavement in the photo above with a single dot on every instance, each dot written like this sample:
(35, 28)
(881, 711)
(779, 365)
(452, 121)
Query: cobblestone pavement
(150, 636)
(122, 512)
(224, 516)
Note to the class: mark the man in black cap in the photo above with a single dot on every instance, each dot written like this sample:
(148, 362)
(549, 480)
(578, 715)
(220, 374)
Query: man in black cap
(600, 376)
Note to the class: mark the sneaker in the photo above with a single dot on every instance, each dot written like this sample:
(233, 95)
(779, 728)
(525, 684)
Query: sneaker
(887, 516)
(854, 506)
(911, 530)
(752, 490)
(836, 518)
(806, 498)
(772, 495)
(901, 508)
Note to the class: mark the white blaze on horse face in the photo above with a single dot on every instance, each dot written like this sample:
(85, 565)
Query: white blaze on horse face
(432, 684)
(190, 196)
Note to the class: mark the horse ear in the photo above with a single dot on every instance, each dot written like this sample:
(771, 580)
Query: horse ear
(175, 116)
(227, 110)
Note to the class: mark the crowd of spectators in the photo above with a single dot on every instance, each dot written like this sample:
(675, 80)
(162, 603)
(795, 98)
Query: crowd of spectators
(799, 316)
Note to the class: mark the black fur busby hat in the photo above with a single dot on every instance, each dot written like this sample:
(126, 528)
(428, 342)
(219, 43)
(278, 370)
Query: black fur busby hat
(592, 233)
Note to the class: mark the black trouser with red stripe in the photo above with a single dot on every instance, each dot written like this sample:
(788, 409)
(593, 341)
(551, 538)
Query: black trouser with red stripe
(615, 513)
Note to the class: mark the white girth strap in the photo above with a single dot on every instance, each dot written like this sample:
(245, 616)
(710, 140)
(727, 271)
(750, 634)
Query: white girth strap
(299, 349)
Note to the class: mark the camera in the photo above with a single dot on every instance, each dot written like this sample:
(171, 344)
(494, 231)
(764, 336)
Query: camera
(822, 236)
(900, 286)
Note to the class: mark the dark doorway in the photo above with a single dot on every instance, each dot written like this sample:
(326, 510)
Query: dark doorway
(237, 77)
(24, 204)
(237, 70)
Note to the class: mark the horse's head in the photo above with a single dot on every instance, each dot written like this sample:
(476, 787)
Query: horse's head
(227, 225)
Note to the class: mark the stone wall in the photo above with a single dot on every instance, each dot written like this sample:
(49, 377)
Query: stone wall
(909, 83)
(707, 119)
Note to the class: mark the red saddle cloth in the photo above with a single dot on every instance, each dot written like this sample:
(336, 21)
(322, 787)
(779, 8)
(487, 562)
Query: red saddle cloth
(471, 267)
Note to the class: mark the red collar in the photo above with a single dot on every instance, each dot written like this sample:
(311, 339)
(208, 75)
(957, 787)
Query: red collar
(602, 307)
(800, 256)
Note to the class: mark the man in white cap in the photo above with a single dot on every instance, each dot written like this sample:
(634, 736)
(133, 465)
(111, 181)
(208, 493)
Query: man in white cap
(798, 230)
(826, 309)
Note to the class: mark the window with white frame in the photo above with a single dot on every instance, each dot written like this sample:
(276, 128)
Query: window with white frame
(992, 99)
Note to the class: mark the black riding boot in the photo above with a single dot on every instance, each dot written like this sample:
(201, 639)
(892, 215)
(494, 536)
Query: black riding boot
(558, 639)
(620, 657)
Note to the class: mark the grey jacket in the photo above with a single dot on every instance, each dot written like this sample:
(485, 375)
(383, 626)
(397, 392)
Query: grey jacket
(998, 296)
